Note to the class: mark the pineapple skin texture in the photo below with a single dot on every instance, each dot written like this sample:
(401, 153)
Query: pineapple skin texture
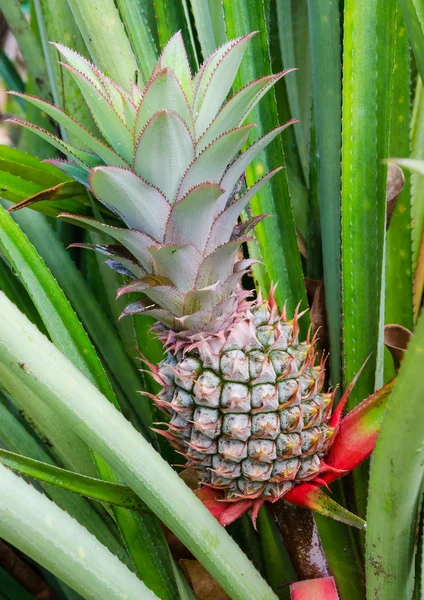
(246, 406)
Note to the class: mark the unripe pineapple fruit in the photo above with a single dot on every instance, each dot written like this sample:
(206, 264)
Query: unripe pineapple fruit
(246, 405)
(243, 394)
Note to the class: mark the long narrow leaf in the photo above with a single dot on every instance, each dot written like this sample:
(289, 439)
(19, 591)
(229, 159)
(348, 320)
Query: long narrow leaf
(171, 18)
(207, 35)
(72, 283)
(16, 292)
(77, 402)
(395, 482)
(28, 44)
(278, 567)
(56, 24)
(139, 35)
(399, 273)
(36, 526)
(276, 235)
(367, 92)
(15, 434)
(96, 489)
(105, 38)
(69, 336)
(324, 29)
(417, 185)
(413, 13)
(288, 29)
(57, 314)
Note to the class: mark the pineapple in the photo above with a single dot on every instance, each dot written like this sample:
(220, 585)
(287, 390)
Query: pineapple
(242, 393)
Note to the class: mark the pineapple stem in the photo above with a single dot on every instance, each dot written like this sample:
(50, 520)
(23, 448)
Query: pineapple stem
(300, 535)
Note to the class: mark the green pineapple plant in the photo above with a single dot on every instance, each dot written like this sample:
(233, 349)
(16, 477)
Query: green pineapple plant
(174, 186)
(243, 394)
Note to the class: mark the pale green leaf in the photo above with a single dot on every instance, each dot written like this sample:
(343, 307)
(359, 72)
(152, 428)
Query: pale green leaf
(163, 92)
(40, 529)
(164, 152)
(139, 205)
(191, 217)
(216, 82)
(211, 164)
(178, 263)
(109, 122)
(225, 222)
(237, 109)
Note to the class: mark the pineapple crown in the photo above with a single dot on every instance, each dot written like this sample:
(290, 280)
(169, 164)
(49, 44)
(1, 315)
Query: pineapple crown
(167, 161)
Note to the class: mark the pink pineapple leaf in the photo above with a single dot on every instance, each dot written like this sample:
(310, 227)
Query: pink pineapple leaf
(311, 496)
(357, 434)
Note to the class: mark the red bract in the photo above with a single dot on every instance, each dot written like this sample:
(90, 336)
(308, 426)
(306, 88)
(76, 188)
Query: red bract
(314, 589)
(354, 442)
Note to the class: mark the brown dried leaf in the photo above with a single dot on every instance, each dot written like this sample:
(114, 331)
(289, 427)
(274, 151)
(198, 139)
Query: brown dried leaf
(177, 548)
(204, 586)
(301, 245)
(394, 187)
(396, 339)
(419, 281)
(61, 191)
(316, 297)
(190, 478)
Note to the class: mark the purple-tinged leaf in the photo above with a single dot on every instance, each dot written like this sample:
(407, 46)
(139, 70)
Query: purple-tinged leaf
(107, 155)
(106, 117)
(164, 152)
(191, 217)
(142, 307)
(210, 165)
(135, 241)
(174, 56)
(140, 205)
(216, 81)
(225, 222)
(179, 264)
(199, 300)
(71, 169)
(84, 159)
(218, 266)
(167, 297)
(122, 260)
(237, 169)
(237, 109)
(81, 64)
(163, 92)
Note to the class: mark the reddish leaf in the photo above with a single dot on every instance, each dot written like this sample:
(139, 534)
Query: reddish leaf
(61, 191)
(314, 589)
(204, 586)
(312, 497)
(338, 412)
(225, 512)
(357, 434)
